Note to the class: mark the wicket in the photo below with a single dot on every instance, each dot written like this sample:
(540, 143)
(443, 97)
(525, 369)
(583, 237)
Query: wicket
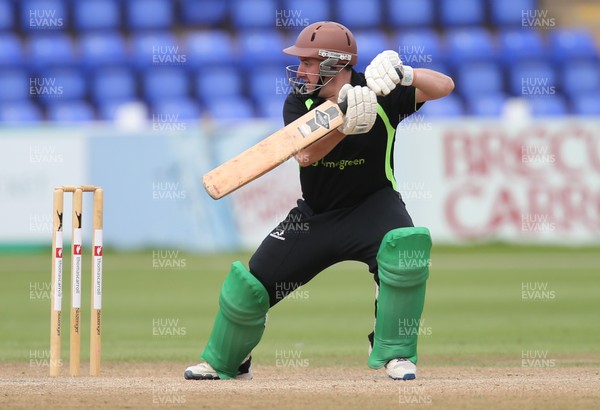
(56, 284)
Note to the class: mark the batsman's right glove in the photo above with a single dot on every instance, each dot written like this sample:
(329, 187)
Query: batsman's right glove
(362, 109)
(386, 71)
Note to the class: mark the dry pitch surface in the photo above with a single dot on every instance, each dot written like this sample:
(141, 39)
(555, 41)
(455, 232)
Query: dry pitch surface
(161, 385)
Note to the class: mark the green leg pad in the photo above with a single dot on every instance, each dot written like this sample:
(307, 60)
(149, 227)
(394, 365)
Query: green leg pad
(240, 322)
(403, 266)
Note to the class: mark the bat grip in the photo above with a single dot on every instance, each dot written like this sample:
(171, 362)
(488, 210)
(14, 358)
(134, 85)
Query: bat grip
(399, 73)
(343, 106)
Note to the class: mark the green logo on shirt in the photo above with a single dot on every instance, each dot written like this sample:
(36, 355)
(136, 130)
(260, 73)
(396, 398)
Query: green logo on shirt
(341, 164)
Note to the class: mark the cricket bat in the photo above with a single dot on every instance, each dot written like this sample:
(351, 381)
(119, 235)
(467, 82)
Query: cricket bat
(274, 150)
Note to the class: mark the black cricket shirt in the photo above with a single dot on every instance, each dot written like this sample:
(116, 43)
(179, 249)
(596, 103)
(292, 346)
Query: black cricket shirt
(360, 164)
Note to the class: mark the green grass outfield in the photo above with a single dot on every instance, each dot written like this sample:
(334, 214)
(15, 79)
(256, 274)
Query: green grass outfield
(475, 312)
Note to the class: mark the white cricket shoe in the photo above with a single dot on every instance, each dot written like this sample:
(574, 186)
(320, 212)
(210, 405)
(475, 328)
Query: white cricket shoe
(401, 369)
(204, 371)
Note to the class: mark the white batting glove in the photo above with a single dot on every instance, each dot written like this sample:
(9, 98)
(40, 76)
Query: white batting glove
(382, 74)
(362, 109)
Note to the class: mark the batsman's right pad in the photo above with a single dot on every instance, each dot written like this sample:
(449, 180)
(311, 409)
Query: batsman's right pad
(403, 266)
(240, 322)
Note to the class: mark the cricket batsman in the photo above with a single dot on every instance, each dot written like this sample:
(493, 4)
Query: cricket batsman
(350, 208)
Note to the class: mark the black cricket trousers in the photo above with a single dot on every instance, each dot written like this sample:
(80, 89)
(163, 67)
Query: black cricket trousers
(304, 243)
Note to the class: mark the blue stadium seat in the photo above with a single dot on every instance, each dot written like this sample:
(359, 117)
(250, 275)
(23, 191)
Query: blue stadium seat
(246, 14)
(572, 44)
(213, 47)
(149, 14)
(108, 109)
(208, 13)
(518, 45)
(113, 83)
(455, 13)
(262, 47)
(419, 48)
(20, 112)
(271, 107)
(168, 82)
(486, 105)
(532, 78)
(410, 13)
(177, 109)
(7, 15)
(299, 13)
(230, 109)
(62, 83)
(44, 15)
(510, 12)
(96, 15)
(580, 77)
(548, 106)
(100, 49)
(268, 83)
(14, 85)
(71, 111)
(465, 46)
(359, 14)
(449, 106)
(479, 79)
(587, 104)
(369, 43)
(51, 49)
(151, 49)
(11, 50)
(218, 83)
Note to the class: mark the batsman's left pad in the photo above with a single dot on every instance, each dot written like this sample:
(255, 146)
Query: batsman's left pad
(240, 322)
(403, 266)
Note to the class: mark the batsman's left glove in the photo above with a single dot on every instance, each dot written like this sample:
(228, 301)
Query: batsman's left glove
(386, 71)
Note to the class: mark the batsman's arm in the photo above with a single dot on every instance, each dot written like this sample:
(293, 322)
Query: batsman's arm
(431, 85)
(386, 71)
(319, 149)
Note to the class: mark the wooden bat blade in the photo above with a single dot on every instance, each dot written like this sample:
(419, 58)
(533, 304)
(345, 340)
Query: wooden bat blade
(273, 150)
